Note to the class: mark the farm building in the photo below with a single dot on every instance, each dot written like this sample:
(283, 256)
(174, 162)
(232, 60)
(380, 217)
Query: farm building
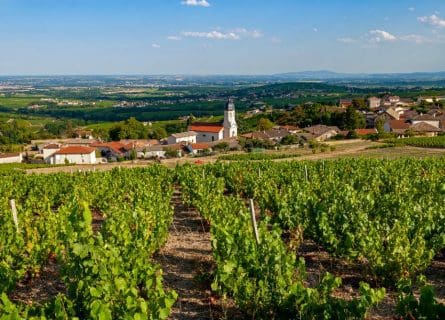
(50, 149)
(187, 137)
(11, 157)
(322, 132)
(75, 155)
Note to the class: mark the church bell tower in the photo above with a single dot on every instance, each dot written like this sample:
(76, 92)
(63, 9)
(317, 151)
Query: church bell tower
(230, 126)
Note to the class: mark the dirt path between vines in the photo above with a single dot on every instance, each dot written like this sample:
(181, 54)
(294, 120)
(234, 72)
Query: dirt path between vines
(187, 264)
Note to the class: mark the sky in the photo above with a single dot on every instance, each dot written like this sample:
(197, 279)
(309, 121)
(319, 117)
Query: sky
(52, 37)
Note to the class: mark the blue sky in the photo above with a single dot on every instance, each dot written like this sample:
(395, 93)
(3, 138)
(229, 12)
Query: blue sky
(220, 36)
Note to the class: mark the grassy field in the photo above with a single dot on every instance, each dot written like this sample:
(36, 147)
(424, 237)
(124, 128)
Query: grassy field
(19, 102)
(33, 120)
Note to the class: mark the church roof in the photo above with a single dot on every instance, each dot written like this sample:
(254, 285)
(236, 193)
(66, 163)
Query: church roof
(206, 127)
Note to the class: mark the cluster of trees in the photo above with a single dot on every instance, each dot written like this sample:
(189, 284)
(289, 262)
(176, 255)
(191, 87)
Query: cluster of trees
(312, 114)
(304, 116)
(17, 132)
(134, 129)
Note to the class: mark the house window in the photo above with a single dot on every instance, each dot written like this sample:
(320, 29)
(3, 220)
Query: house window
(213, 138)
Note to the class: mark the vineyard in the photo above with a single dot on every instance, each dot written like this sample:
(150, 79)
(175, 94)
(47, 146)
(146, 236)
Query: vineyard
(97, 235)
(421, 142)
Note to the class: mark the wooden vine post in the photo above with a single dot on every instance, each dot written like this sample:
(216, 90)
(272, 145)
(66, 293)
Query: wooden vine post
(14, 214)
(252, 215)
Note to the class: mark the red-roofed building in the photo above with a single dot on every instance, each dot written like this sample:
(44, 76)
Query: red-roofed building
(344, 103)
(112, 150)
(396, 126)
(197, 148)
(207, 132)
(365, 132)
(73, 154)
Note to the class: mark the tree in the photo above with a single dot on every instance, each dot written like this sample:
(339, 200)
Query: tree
(265, 124)
(290, 139)
(222, 146)
(158, 134)
(175, 127)
(379, 125)
(352, 119)
(129, 129)
(360, 104)
(171, 153)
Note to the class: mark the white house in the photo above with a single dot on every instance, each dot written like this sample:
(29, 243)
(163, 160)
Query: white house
(11, 157)
(374, 103)
(156, 151)
(187, 137)
(75, 155)
(50, 149)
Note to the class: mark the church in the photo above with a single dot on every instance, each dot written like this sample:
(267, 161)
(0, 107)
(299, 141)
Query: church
(210, 132)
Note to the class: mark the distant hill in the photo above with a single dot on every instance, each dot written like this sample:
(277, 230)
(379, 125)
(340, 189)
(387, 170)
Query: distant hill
(330, 75)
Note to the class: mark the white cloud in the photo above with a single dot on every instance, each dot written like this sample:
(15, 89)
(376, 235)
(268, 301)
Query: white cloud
(315, 29)
(412, 9)
(174, 38)
(217, 35)
(433, 20)
(275, 40)
(374, 37)
(156, 46)
(381, 35)
(196, 3)
(415, 38)
(236, 34)
(248, 33)
(346, 40)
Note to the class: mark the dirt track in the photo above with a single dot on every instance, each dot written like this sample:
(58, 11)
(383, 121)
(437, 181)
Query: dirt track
(186, 260)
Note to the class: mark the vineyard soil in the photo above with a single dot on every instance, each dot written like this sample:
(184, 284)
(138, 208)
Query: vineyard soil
(318, 262)
(187, 263)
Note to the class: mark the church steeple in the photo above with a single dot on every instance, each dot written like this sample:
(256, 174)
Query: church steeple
(230, 106)
(230, 126)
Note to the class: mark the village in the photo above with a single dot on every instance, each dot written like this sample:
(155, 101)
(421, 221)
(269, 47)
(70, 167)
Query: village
(388, 115)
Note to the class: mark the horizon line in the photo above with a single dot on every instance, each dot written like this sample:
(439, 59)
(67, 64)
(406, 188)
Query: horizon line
(212, 74)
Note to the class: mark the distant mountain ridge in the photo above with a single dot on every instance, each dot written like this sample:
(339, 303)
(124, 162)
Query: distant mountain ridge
(330, 75)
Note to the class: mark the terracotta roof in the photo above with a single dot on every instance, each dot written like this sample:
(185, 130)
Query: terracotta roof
(52, 146)
(9, 155)
(424, 127)
(364, 132)
(116, 146)
(398, 124)
(320, 129)
(206, 128)
(290, 128)
(200, 146)
(425, 117)
(75, 150)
